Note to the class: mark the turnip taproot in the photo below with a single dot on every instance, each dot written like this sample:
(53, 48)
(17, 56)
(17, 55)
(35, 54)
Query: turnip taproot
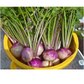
(27, 54)
(50, 55)
(64, 53)
(40, 49)
(16, 49)
(35, 63)
(46, 63)
(56, 61)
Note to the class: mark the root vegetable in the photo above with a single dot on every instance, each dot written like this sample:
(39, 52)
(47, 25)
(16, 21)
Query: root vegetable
(64, 53)
(35, 63)
(16, 50)
(27, 54)
(46, 63)
(50, 55)
(56, 61)
(40, 49)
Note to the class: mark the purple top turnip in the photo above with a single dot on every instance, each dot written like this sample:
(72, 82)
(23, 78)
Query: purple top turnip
(27, 54)
(16, 50)
(35, 63)
(64, 53)
(50, 55)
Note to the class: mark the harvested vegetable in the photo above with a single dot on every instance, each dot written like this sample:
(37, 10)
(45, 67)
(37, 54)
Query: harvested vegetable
(27, 27)
(27, 54)
(64, 53)
(16, 50)
(35, 63)
(56, 61)
(45, 63)
(50, 55)
(40, 49)
(52, 42)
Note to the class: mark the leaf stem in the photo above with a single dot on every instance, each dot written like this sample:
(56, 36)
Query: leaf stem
(52, 43)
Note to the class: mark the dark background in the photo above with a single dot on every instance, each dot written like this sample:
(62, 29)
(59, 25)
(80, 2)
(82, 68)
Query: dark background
(81, 44)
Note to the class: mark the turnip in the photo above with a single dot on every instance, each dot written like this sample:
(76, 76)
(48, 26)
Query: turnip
(51, 40)
(27, 54)
(56, 61)
(35, 63)
(40, 49)
(50, 55)
(64, 53)
(16, 50)
(50, 63)
(46, 63)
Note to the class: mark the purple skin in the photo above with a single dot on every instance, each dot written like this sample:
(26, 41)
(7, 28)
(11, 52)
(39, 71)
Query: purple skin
(64, 53)
(12, 40)
(38, 57)
(16, 50)
(15, 45)
(50, 55)
(27, 54)
(35, 63)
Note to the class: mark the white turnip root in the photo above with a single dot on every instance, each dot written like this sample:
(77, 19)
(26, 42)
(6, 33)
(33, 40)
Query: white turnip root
(56, 61)
(16, 50)
(64, 53)
(40, 49)
(46, 63)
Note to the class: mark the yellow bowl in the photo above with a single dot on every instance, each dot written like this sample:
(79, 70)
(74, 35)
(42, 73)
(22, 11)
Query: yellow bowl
(16, 63)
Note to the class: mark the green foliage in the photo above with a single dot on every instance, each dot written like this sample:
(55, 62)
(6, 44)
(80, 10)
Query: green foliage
(14, 20)
(78, 15)
(39, 19)
(79, 33)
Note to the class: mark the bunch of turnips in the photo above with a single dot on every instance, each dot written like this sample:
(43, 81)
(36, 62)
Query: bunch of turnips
(40, 36)
(44, 58)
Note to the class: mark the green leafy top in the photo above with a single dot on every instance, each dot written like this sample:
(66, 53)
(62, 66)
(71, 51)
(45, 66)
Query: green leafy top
(30, 25)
